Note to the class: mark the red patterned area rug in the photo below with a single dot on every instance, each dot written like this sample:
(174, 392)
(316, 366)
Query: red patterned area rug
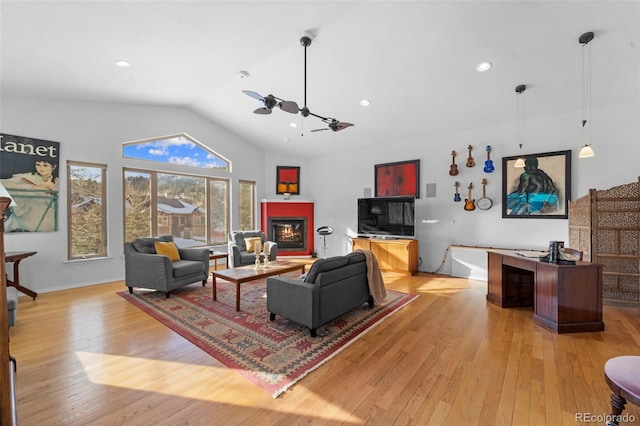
(272, 354)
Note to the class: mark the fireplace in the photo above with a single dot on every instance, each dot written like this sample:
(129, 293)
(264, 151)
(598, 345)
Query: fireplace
(290, 223)
(289, 232)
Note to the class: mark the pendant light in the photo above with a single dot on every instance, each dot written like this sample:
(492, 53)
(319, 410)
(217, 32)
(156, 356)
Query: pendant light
(520, 123)
(585, 112)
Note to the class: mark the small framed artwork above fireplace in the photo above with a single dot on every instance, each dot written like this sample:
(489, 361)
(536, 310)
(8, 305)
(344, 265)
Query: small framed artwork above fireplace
(287, 180)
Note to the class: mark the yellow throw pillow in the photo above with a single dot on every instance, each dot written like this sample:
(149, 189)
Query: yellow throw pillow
(168, 249)
(251, 244)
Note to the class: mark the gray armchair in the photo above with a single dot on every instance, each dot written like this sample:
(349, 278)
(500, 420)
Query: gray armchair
(238, 254)
(146, 269)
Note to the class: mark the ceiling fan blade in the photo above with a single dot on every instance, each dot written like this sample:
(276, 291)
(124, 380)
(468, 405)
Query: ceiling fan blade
(320, 130)
(289, 106)
(339, 126)
(254, 95)
(262, 111)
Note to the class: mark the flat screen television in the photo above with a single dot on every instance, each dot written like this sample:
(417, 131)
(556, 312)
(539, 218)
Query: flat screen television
(387, 217)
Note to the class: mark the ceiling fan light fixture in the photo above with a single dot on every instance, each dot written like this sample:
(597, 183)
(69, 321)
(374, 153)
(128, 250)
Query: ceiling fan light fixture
(519, 163)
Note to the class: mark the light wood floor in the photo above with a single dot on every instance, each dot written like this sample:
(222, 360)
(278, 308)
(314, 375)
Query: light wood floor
(88, 357)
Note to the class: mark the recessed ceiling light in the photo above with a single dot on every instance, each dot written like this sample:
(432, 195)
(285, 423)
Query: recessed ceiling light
(292, 124)
(365, 103)
(483, 66)
(122, 63)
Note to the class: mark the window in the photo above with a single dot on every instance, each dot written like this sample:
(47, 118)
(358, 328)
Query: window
(87, 210)
(179, 149)
(247, 205)
(194, 209)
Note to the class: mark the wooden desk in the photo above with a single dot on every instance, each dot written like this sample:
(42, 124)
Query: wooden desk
(16, 257)
(565, 298)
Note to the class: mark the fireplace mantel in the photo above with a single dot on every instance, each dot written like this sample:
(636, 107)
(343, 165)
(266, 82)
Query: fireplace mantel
(280, 208)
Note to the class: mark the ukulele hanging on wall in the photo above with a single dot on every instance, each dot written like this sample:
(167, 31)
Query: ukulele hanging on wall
(470, 161)
(453, 169)
(469, 203)
(456, 197)
(488, 165)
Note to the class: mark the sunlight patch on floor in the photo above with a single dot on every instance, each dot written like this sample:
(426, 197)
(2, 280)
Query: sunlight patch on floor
(133, 373)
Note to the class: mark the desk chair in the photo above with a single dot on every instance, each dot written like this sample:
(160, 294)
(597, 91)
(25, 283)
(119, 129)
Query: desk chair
(622, 374)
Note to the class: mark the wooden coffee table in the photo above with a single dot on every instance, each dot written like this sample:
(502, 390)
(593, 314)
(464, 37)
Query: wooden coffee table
(245, 274)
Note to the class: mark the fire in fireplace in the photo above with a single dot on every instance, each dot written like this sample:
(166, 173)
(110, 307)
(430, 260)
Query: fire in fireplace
(289, 232)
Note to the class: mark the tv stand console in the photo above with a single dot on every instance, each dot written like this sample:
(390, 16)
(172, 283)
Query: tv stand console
(398, 255)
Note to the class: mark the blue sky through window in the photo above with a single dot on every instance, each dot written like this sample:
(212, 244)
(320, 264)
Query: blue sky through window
(178, 149)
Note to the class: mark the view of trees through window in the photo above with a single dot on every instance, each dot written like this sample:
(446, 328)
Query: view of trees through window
(178, 206)
(87, 224)
(246, 205)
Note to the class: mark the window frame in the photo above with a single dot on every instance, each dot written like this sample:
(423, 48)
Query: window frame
(103, 210)
(153, 201)
(253, 207)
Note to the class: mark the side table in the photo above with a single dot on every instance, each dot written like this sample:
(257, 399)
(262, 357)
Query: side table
(215, 255)
(16, 257)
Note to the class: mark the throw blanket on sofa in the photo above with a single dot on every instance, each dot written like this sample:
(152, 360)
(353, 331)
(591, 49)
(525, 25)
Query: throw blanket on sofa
(374, 277)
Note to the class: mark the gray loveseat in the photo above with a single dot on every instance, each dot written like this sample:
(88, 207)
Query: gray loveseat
(238, 254)
(146, 269)
(332, 287)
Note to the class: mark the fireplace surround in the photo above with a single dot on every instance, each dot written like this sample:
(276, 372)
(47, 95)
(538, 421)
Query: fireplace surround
(290, 223)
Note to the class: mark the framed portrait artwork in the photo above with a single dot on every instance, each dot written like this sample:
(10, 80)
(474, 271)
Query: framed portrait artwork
(29, 172)
(397, 179)
(540, 190)
(287, 180)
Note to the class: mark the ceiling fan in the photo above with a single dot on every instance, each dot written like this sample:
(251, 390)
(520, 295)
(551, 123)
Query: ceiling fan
(269, 102)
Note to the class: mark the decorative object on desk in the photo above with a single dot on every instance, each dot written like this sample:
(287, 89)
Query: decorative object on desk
(519, 163)
(270, 356)
(469, 203)
(541, 191)
(470, 161)
(456, 197)
(484, 203)
(585, 135)
(29, 172)
(397, 179)
(554, 251)
(453, 168)
(287, 180)
(488, 165)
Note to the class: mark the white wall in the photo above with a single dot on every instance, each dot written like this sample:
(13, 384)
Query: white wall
(94, 132)
(616, 140)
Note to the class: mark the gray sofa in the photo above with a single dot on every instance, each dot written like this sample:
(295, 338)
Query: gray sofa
(238, 254)
(146, 269)
(331, 288)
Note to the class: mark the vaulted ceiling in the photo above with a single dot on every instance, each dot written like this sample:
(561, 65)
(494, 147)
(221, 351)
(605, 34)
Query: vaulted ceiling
(413, 60)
